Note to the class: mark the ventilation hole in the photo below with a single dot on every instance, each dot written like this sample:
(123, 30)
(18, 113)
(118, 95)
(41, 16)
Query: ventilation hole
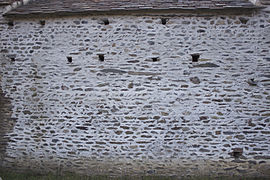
(106, 21)
(69, 59)
(164, 21)
(195, 57)
(101, 57)
(12, 59)
(11, 23)
(42, 22)
(155, 59)
(237, 152)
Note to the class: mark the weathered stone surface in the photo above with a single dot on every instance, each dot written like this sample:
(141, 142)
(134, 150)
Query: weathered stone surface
(206, 65)
(195, 80)
(128, 113)
(6, 122)
(113, 71)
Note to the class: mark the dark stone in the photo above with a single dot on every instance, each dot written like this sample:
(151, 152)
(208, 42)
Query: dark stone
(200, 30)
(195, 80)
(55, 140)
(228, 133)
(130, 85)
(238, 161)
(168, 34)
(151, 34)
(151, 42)
(113, 71)
(176, 128)
(151, 171)
(26, 112)
(76, 22)
(77, 69)
(74, 131)
(4, 51)
(133, 61)
(267, 59)
(261, 157)
(266, 75)
(186, 22)
(204, 150)
(252, 162)
(229, 169)
(206, 65)
(240, 137)
(82, 127)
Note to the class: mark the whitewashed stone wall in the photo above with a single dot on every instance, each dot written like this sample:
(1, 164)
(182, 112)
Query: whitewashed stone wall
(128, 114)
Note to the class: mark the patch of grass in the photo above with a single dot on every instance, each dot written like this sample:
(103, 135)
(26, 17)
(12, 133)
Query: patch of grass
(33, 176)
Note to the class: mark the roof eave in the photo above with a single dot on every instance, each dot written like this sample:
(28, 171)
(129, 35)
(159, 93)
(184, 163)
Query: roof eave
(145, 11)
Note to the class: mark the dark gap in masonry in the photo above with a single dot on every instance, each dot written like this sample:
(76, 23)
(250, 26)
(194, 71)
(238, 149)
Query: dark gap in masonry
(69, 59)
(42, 22)
(106, 21)
(237, 152)
(155, 59)
(10, 23)
(195, 57)
(164, 21)
(101, 57)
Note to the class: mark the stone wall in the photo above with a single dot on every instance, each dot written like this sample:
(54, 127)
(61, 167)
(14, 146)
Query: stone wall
(146, 108)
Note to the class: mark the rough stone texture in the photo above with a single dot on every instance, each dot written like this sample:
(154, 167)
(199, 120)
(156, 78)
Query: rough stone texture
(6, 122)
(131, 114)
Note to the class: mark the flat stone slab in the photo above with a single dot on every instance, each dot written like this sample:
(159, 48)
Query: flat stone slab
(113, 71)
(206, 65)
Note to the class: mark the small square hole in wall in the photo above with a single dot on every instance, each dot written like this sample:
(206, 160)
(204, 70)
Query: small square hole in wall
(101, 57)
(155, 58)
(105, 21)
(164, 21)
(10, 23)
(237, 152)
(195, 57)
(42, 22)
(69, 59)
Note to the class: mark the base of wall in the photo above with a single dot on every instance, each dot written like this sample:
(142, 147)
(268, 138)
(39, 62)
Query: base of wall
(126, 167)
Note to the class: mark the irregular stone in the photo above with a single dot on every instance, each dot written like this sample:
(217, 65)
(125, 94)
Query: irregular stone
(206, 65)
(195, 80)
(113, 71)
